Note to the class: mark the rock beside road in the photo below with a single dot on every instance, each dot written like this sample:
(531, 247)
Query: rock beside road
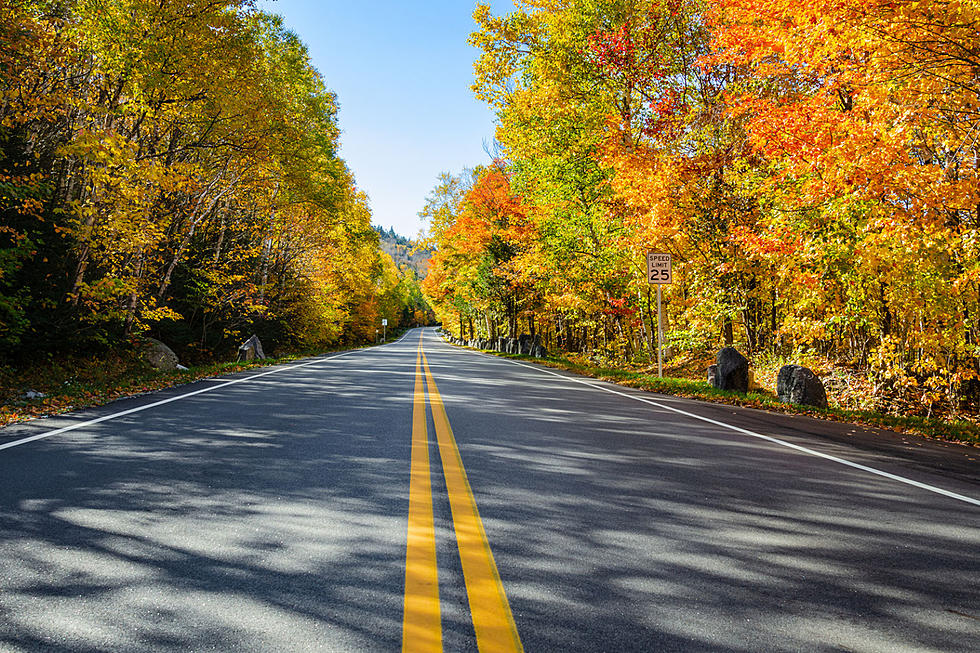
(796, 384)
(159, 356)
(525, 345)
(251, 349)
(732, 371)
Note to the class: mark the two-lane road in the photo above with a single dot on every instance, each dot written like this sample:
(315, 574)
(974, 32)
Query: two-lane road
(422, 495)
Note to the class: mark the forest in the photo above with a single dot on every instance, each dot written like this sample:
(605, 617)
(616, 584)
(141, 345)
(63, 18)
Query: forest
(171, 169)
(812, 168)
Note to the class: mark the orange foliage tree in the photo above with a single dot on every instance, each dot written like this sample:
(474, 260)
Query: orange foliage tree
(812, 167)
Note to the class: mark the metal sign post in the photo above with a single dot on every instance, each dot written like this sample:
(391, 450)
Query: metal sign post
(658, 272)
(384, 325)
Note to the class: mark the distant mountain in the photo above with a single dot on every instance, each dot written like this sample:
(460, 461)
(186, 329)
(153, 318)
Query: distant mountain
(399, 248)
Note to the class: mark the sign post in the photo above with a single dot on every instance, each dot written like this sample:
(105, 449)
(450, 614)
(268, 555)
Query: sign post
(658, 272)
(384, 325)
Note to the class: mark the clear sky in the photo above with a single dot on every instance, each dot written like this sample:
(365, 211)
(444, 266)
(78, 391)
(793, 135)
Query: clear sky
(402, 73)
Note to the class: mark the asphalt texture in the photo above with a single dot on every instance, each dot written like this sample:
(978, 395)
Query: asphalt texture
(271, 515)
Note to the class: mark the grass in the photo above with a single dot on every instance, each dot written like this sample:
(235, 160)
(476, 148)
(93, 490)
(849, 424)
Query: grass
(951, 431)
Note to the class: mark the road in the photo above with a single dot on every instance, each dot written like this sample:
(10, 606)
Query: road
(431, 496)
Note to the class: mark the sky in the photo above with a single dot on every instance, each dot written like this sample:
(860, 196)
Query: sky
(402, 73)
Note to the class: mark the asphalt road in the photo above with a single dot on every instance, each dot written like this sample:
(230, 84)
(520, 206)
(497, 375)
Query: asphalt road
(272, 513)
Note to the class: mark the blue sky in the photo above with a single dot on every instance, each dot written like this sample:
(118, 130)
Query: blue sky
(402, 73)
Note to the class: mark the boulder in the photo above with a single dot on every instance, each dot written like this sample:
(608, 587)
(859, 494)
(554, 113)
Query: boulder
(733, 371)
(250, 350)
(159, 356)
(796, 384)
(712, 374)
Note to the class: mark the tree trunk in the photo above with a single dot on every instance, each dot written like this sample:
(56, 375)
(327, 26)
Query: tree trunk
(133, 298)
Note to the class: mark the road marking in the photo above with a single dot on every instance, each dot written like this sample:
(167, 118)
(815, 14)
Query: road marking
(106, 418)
(782, 443)
(422, 620)
(493, 621)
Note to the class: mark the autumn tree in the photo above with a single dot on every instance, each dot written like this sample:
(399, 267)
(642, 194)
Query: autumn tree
(867, 115)
(171, 168)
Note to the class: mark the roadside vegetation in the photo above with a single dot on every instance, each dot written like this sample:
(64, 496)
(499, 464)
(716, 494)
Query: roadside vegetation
(811, 168)
(71, 383)
(678, 382)
(171, 170)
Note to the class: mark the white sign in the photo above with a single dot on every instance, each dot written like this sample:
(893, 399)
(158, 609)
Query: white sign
(658, 268)
(384, 321)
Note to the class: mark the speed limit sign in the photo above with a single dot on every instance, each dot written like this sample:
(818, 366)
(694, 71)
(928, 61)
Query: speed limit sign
(658, 268)
(658, 273)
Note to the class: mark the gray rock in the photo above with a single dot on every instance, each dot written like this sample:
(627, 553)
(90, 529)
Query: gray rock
(733, 371)
(180, 367)
(159, 356)
(796, 384)
(34, 394)
(250, 350)
(713, 375)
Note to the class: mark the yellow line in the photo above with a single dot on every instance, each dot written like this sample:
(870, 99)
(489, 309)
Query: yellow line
(492, 618)
(422, 621)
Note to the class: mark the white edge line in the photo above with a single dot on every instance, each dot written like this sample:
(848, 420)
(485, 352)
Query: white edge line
(790, 445)
(105, 418)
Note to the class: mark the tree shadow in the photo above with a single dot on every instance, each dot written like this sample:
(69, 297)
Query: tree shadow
(636, 529)
(264, 516)
(271, 515)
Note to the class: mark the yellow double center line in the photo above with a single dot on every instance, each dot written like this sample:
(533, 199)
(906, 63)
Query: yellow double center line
(493, 622)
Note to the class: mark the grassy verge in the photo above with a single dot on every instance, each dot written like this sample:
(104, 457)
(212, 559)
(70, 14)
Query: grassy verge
(952, 431)
(73, 383)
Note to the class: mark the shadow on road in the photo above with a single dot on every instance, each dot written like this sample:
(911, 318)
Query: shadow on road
(649, 531)
(278, 524)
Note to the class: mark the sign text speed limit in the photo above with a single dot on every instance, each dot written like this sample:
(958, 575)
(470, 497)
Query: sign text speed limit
(658, 268)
